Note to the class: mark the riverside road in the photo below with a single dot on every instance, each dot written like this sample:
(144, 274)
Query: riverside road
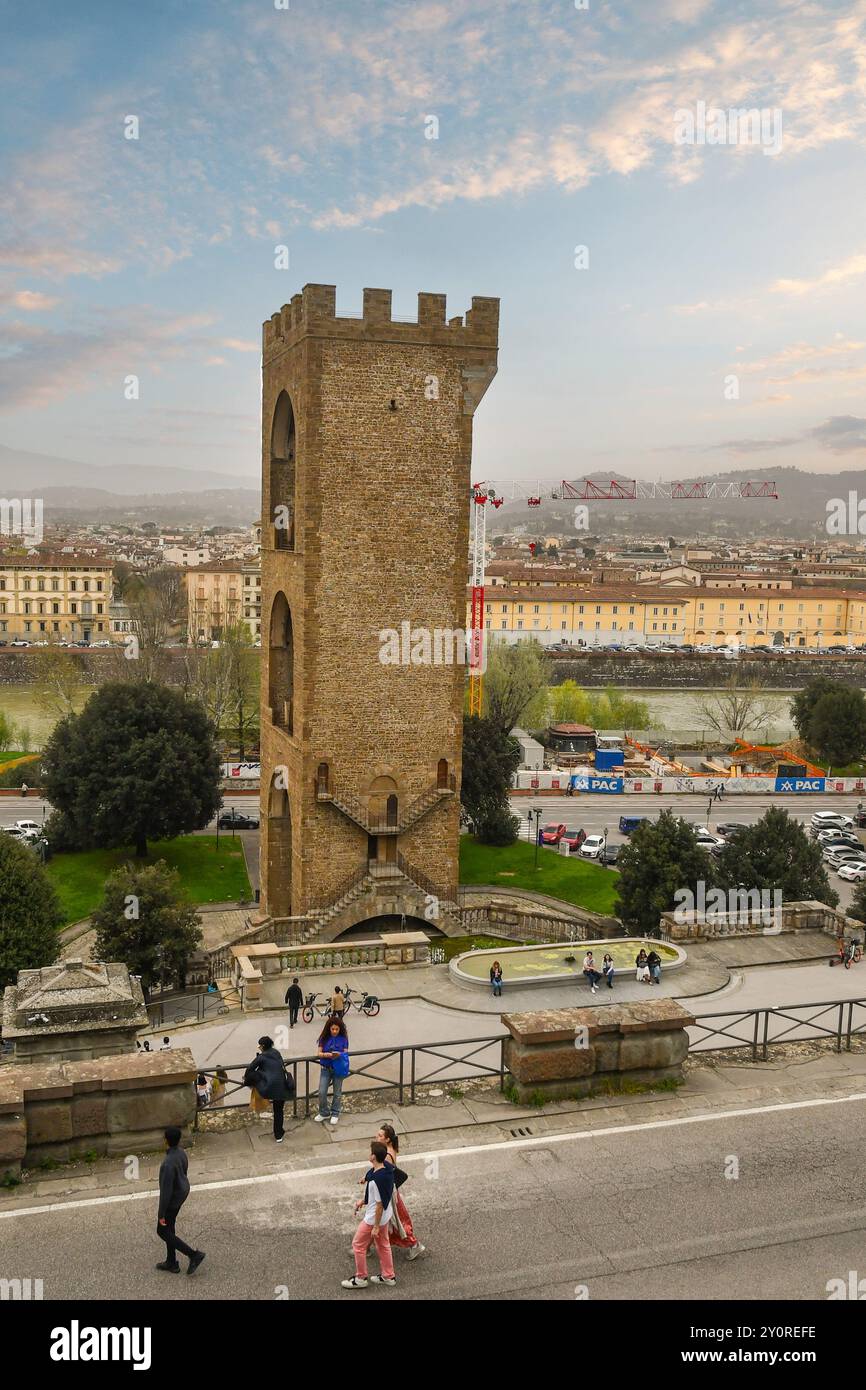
(633, 1208)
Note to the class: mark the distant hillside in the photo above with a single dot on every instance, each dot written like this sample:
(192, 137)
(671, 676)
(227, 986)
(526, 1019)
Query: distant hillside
(214, 507)
(44, 471)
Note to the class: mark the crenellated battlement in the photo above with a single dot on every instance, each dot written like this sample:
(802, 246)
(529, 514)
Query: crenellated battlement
(313, 312)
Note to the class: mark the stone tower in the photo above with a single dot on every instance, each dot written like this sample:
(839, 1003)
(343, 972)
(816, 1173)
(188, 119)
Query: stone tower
(366, 448)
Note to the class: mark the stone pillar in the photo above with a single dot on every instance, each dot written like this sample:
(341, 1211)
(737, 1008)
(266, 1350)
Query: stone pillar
(572, 1053)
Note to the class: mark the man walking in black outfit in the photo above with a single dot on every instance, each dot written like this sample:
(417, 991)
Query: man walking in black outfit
(294, 999)
(173, 1192)
(268, 1074)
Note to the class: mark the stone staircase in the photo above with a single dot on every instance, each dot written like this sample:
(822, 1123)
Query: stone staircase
(352, 808)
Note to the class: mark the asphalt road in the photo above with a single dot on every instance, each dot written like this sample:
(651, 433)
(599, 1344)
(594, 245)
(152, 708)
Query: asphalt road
(645, 1212)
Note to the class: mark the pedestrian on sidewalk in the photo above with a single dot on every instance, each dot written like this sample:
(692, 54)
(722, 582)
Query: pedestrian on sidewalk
(400, 1231)
(338, 1002)
(334, 1060)
(373, 1229)
(496, 979)
(608, 971)
(294, 999)
(591, 972)
(266, 1075)
(173, 1192)
(654, 961)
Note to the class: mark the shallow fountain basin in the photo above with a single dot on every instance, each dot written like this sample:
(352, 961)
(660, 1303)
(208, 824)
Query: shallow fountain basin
(547, 965)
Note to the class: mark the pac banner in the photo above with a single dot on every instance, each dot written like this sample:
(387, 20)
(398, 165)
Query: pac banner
(800, 784)
(598, 784)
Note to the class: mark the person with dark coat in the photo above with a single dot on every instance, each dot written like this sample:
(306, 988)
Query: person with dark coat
(173, 1192)
(268, 1074)
(294, 999)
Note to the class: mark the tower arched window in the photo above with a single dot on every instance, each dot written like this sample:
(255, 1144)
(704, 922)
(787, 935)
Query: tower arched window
(282, 474)
(281, 664)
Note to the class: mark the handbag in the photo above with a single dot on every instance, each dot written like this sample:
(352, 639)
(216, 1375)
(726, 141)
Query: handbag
(400, 1176)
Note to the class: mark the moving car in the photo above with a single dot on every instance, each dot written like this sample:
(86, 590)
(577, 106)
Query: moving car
(592, 847)
(574, 839)
(552, 834)
(628, 824)
(853, 871)
(236, 820)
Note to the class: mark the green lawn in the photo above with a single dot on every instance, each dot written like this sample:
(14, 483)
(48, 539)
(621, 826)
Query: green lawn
(10, 756)
(206, 876)
(573, 879)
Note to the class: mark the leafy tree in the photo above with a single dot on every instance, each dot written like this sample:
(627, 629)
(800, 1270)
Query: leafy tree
(837, 727)
(137, 763)
(774, 853)
(145, 921)
(661, 858)
(30, 912)
(805, 700)
(569, 704)
(490, 760)
(610, 709)
(515, 685)
(858, 902)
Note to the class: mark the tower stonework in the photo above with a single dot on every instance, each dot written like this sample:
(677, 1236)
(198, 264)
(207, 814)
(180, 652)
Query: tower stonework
(366, 449)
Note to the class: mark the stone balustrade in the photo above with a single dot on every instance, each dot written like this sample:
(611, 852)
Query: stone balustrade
(571, 1053)
(108, 1105)
(262, 973)
(767, 920)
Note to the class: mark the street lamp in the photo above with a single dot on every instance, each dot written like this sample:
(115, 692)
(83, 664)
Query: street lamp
(536, 812)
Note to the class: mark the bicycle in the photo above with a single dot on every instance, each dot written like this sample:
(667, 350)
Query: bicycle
(368, 1003)
(311, 1008)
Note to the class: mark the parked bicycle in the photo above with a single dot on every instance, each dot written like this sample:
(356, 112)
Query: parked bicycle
(311, 1008)
(848, 953)
(368, 1003)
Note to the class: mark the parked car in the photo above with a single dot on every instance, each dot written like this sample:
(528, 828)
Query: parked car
(236, 820)
(729, 828)
(839, 837)
(574, 839)
(838, 857)
(830, 820)
(860, 818)
(708, 839)
(592, 847)
(552, 834)
(609, 854)
(853, 871)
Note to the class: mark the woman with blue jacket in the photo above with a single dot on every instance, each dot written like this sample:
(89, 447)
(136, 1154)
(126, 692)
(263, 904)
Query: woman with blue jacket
(334, 1060)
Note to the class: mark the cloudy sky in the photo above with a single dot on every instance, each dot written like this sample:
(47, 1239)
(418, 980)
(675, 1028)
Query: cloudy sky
(718, 323)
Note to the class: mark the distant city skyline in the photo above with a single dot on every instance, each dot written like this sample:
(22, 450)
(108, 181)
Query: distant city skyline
(669, 309)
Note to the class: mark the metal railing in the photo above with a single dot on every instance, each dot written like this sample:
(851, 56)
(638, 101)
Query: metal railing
(400, 1069)
(761, 1029)
(185, 1008)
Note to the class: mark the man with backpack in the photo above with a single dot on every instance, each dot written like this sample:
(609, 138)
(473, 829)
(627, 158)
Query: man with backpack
(267, 1073)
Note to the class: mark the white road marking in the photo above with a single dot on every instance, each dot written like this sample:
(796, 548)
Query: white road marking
(541, 1141)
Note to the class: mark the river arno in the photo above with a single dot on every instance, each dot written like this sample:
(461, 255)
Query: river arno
(674, 712)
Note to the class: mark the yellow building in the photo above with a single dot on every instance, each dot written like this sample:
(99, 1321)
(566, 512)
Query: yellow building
(55, 598)
(643, 615)
(221, 596)
(596, 615)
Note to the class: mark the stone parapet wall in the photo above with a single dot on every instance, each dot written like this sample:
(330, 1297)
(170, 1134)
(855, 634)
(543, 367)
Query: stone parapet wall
(791, 917)
(110, 1105)
(571, 1053)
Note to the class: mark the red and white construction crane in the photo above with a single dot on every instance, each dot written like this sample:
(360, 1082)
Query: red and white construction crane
(486, 495)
